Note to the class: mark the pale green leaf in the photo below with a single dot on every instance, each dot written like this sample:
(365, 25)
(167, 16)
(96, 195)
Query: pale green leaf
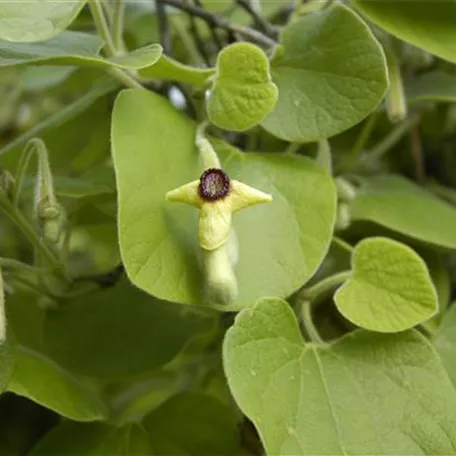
(40, 379)
(390, 288)
(193, 424)
(74, 48)
(367, 393)
(280, 244)
(434, 86)
(243, 93)
(400, 205)
(36, 20)
(119, 332)
(73, 439)
(427, 25)
(331, 73)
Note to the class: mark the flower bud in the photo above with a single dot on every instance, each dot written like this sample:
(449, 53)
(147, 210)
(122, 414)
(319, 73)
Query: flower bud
(343, 218)
(219, 265)
(345, 191)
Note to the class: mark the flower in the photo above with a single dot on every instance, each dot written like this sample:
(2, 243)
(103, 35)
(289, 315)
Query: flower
(217, 197)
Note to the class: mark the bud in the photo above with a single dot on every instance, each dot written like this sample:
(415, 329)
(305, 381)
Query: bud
(207, 153)
(7, 183)
(50, 216)
(345, 190)
(396, 102)
(343, 217)
(219, 265)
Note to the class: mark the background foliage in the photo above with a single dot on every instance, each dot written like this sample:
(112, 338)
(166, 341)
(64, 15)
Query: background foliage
(340, 337)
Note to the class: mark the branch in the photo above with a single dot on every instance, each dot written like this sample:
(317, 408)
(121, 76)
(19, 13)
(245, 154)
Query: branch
(214, 35)
(165, 38)
(259, 20)
(221, 22)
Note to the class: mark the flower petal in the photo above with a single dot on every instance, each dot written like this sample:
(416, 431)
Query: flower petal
(187, 193)
(214, 224)
(243, 195)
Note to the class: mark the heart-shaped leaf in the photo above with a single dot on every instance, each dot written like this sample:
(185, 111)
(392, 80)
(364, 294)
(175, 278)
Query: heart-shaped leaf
(280, 245)
(36, 20)
(193, 424)
(74, 48)
(390, 288)
(243, 93)
(95, 439)
(400, 205)
(366, 394)
(331, 73)
(427, 25)
(119, 333)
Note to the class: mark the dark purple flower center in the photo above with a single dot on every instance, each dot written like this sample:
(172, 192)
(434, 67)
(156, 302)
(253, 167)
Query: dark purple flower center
(214, 184)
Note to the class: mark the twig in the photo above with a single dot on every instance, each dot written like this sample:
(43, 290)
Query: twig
(221, 22)
(110, 48)
(101, 24)
(342, 244)
(391, 139)
(416, 149)
(165, 38)
(125, 78)
(199, 41)
(259, 20)
(117, 23)
(308, 323)
(29, 232)
(361, 141)
(212, 29)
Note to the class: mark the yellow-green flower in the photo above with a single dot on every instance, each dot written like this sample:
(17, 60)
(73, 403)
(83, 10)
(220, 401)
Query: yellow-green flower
(217, 197)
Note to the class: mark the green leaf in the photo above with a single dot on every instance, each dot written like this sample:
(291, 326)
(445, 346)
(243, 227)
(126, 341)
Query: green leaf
(400, 205)
(390, 288)
(74, 439)
(366, 394)
(193, 424)
(427, 25)
(41, 380)
(433, 86)
(331, 73)
(74, 48)
(37, 20)
(170, 69)
(118, 333)
(280, 244)
(243, 93)
(445, 342)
